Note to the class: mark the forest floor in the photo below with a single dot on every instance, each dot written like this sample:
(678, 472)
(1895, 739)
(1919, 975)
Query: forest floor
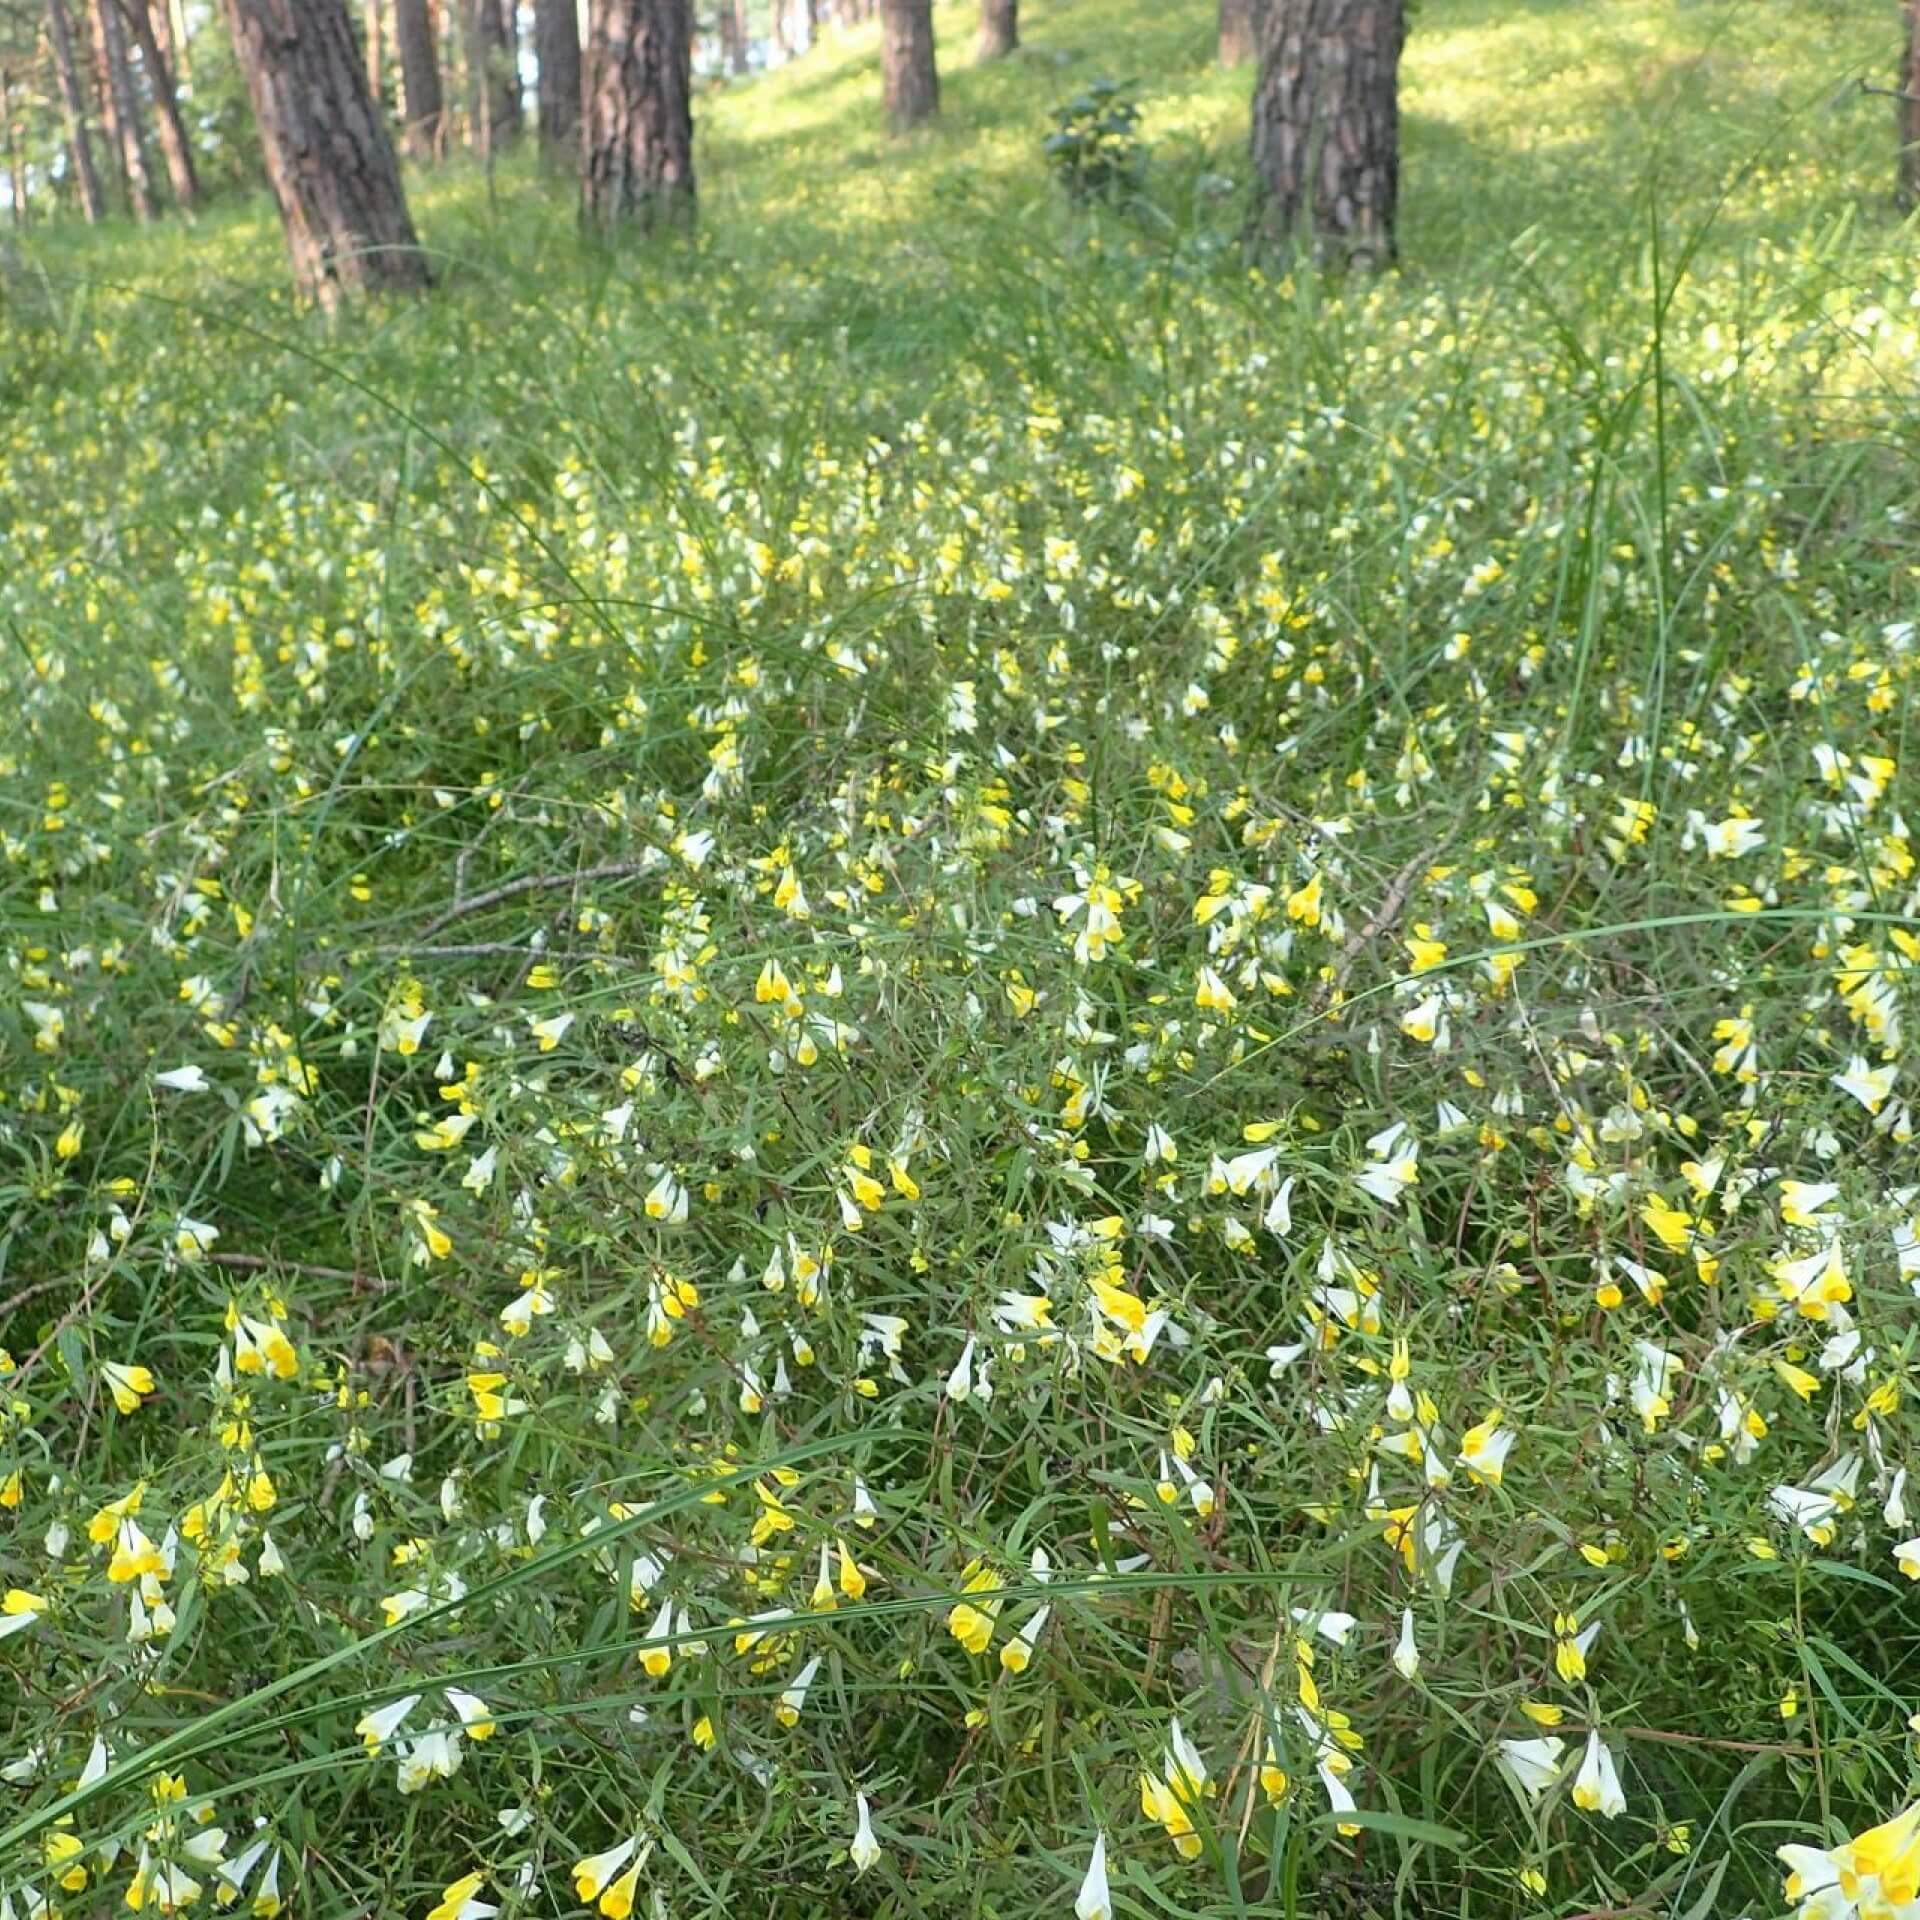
(845, 1061)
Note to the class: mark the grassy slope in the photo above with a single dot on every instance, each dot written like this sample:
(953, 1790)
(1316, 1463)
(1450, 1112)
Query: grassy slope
(267, 630)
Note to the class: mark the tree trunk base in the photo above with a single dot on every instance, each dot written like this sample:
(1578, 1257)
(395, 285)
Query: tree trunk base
(1326, 128)
(999, 29)
(909, 78)
(636, 165)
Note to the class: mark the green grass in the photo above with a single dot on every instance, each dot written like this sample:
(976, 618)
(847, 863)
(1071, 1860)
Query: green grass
(951, 550)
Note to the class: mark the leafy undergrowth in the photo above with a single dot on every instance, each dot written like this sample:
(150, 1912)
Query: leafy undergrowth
(815, 1039)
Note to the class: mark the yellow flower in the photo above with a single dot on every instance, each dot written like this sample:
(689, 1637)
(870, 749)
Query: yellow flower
(617, 1902)
(972, 1625)
(454, 1898)
(1673, 1228)
(127, 1384)
(593, 1873)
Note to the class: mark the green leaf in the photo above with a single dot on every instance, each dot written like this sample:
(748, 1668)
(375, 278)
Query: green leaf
(1402, 1826)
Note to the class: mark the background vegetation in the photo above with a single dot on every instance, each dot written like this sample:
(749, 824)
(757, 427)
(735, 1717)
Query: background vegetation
(629, 734)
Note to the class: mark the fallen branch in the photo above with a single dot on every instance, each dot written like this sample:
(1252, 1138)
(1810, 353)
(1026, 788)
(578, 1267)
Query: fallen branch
(1384, 917)
(266, 1263)
(14, 1301)
(1891, 93)
(530, 883)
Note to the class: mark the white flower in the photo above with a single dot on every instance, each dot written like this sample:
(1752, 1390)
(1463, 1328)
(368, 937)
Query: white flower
(380, 1725)
(1279, 1216)
(1596, 1788)
(1406, 1655)
(183, 1079)
(1869, 1085)
(1334, 1628)
(1728, 839)
(1387, 1178)
(960, 1380)
(865, 1849)
(1095, 1902)
(1532, 1765)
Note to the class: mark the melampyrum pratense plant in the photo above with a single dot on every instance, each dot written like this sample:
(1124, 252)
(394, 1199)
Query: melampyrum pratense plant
(843, 1080)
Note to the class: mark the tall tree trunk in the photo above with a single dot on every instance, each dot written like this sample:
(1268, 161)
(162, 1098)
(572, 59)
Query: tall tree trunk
(733, 36)
(179, 39)
(175, 148)
(556, 45)
(1239, 33)
(419, 77)
(73, 99)
(908, 76)
(494, 85)
(637, 147)
(16, 160)
(120, 107)
(1908, 108)
(376, 46)
(1326, 126)
(999, 28)
(327, 151)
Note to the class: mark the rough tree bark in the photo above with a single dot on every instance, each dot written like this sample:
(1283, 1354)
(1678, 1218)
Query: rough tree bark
(419, 77)
(327, 151)
(1326, 126)
(1239, 35)
(495, 102)
(120, 107)
(73, 101)
(636, 162)
(999, 28)
(1908, 109)
(909, 79)
(175, 147)
(556, 45)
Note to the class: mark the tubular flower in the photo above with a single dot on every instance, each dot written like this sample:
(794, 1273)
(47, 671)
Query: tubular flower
(971, 1621)
(1596, 1788)
(460, 1901)
(597, 1869)
(1095, 1902)
(1170, 1797)
(128, 1385)
(1874, 1875)
(864, 1849)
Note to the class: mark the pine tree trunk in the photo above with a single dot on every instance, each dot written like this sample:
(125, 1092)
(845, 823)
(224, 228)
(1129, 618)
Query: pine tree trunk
(495, 122)
(73, 100)
(177, 41)
(999, 28)
(120, 107)
(733, 35)
(175, 147)
(1239, 36)
(556, 43)
(908, 76)
(1908, 107)
(1326, 126)
(376, 46)
(419, 78)
(327, 151)
(637, 156)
